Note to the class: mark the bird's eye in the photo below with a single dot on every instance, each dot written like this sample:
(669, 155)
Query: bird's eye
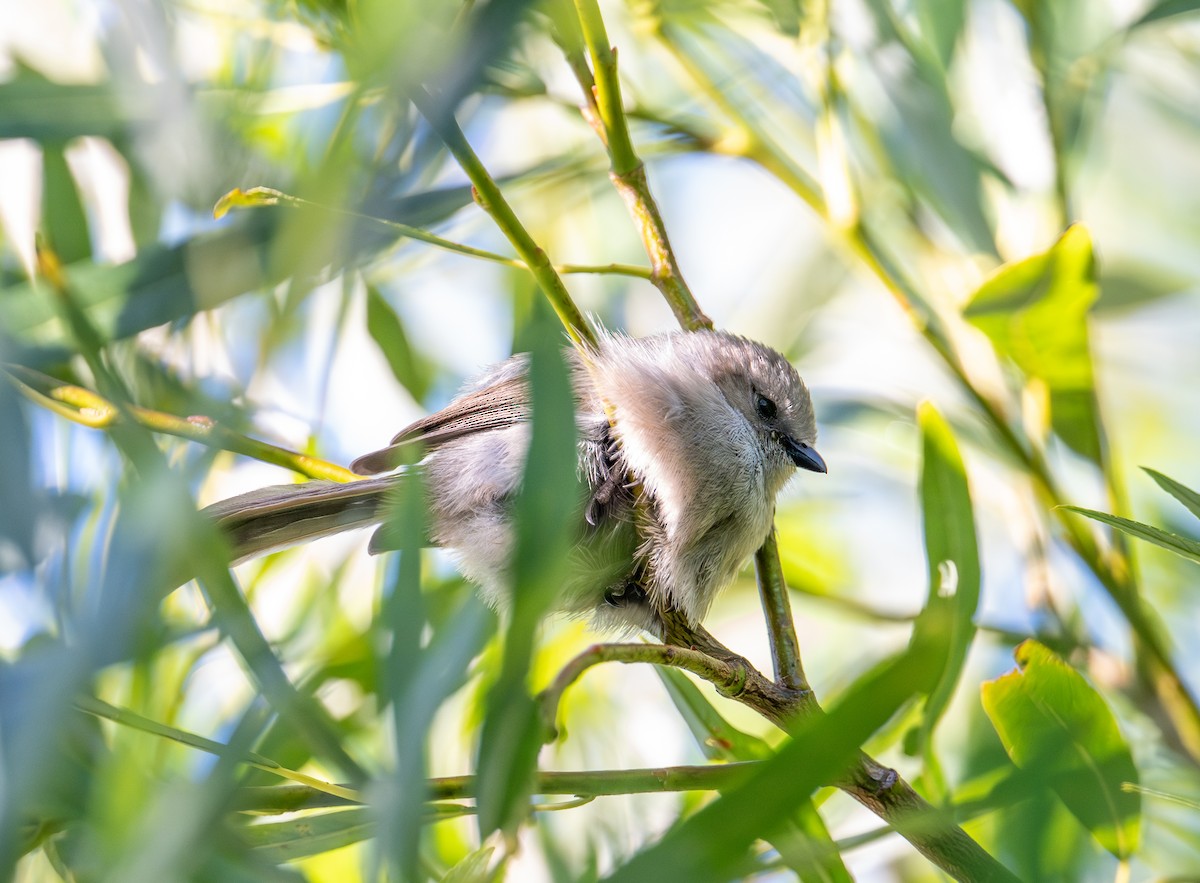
(765, 407)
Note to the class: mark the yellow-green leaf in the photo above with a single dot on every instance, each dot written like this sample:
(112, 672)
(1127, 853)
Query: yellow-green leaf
(1035, 313)
(1052, 722)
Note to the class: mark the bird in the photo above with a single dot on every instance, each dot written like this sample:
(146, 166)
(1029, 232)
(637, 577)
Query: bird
(684, 441)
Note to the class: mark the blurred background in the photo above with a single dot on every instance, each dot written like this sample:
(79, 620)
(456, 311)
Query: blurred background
(831, 174)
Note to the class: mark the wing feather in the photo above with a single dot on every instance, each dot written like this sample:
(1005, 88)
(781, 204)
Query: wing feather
(496, 406)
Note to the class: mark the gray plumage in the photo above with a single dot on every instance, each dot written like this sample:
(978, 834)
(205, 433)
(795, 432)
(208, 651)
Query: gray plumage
(701, 432)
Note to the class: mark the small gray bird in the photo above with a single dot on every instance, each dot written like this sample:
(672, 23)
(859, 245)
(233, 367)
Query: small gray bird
(684, 441)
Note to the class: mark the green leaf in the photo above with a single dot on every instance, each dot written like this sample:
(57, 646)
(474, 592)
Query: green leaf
(472, 869)
(313, 834)
(952, 552)
(252, 198)
(1166, 9)
(713, 844)
(717, 738)
(32, 106)
(1035, 313)
(547, 510)
(803, 842)
(64, 221)
(387, 331)
(160, 285)
(1053, 722)
(1180, 492)
(1181, 546)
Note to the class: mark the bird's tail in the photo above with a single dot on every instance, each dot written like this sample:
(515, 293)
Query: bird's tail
(275, 517)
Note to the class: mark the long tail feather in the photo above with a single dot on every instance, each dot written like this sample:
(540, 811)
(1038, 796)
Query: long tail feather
(275, 517)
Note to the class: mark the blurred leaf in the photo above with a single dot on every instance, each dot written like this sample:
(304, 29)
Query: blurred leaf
(785, 14)
(1053, 722)
(947, 621)
(547, 511)
(18, 515)
(1133, 284)
(162, 284)
(1166, 9)
(1035, 313)
(311, 834)
(64, 221)
(32, 106)
(712, 844)
(386, 329)
(1180, 492)
(473, 868)
(919, 138)
(941, 25)
(1181, 546)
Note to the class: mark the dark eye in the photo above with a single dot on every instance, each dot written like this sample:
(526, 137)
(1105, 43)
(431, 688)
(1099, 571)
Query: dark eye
(765, 407)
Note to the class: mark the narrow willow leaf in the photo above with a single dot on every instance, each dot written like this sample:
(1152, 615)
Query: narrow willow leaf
(387, 331)
(547, 511)
(1166, 9)
(64, 221)
(1180, 492)
(252, 198)
(717, 738)
(712, 844)
(1035, 313)
(1182, 546)
(472, 869)
(803, 843)
(1054, 723)
(312, 834)
(952, 551)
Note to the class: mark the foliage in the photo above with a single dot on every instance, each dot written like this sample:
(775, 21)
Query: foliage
(400, 191)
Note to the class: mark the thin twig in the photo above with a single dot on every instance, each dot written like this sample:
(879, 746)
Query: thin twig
(628, 174)
(492, 201)
(777, 610)
(266, 196)
(88, 408)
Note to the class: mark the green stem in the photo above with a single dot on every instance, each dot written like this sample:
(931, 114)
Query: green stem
(266, 196)
(608, 88)
(492, 201)
(274, 799)
(777, 610)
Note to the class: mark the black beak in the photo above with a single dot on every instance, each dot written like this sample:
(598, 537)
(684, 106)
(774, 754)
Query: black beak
(804, 456)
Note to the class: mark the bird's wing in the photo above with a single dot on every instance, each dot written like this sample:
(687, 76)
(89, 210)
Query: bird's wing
(496, 406)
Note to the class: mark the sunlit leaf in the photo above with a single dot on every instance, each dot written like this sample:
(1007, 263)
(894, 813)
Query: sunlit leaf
(1035, 313)
(252, 198)
(1053, 722)
(1181, 546)
(1180, 492)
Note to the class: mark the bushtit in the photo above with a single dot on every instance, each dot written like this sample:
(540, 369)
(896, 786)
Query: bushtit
(700, 433)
